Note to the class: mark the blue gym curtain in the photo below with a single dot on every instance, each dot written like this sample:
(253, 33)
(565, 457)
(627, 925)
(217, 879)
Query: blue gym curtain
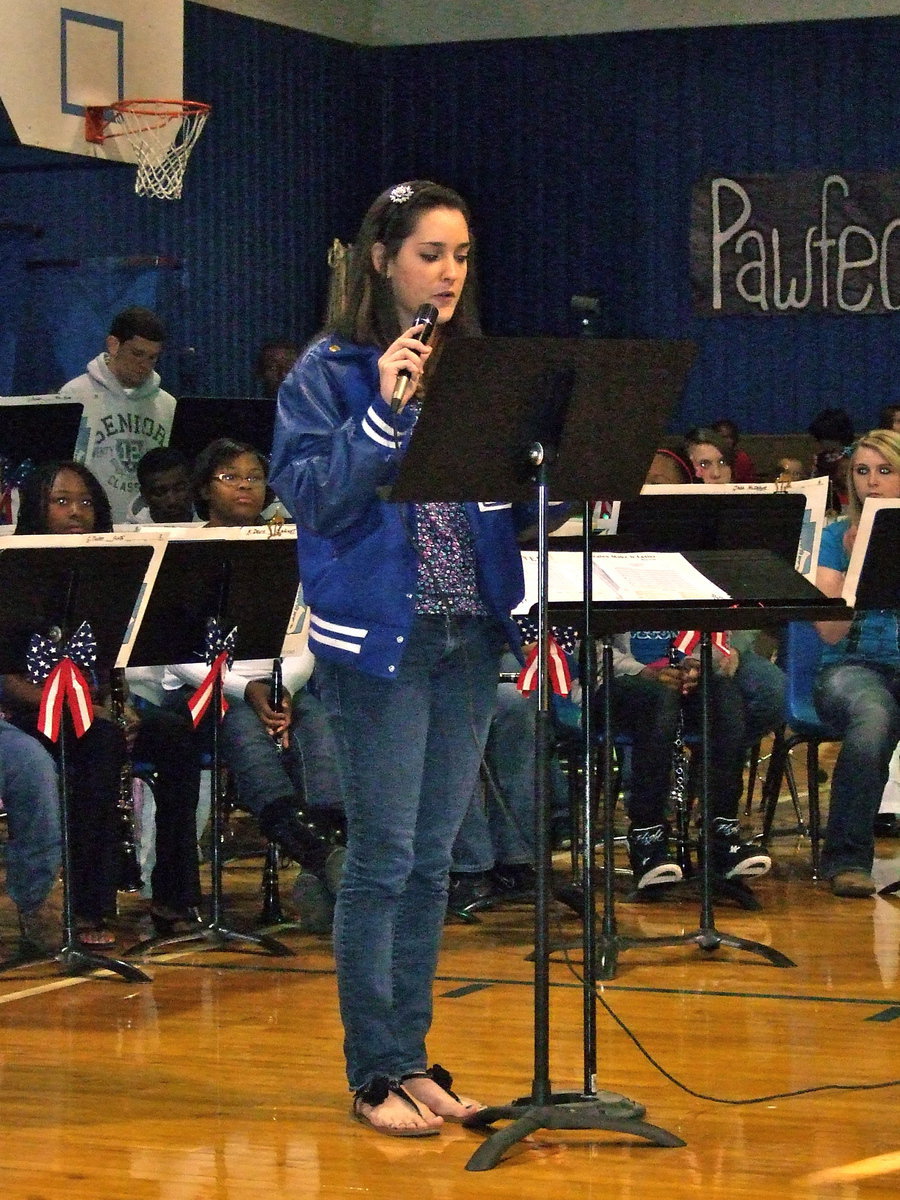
(16, 242)
(72, 304)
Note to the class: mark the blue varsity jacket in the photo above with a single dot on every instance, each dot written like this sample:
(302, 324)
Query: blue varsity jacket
(336, 450)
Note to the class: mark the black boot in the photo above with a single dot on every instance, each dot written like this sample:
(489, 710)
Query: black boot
(307, 840)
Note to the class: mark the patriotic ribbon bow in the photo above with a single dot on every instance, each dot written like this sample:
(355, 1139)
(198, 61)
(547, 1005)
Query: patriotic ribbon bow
(13, 477)
(220, 654)
(60, 669)
(689, 639)
(560, 678)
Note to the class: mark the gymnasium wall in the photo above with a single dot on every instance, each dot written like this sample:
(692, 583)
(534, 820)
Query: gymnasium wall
(578, 154)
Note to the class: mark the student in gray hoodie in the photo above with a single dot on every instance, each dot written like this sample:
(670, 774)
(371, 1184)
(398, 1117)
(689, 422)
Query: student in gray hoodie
(126, 412)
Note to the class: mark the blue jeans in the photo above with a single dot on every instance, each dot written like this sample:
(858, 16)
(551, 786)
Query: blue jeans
(861, 700)
(309, 770)
(648, 712)
(30, 792)
(762, 684)
(412, 745)
(498, 827)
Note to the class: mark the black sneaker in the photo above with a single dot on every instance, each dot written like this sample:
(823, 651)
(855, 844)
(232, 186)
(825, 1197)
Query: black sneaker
(514, 880)
(732, 858)
(887, 825)
(649, 854)
(469, 892)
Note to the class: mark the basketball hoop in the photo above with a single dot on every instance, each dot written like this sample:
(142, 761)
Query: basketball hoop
(161, 152)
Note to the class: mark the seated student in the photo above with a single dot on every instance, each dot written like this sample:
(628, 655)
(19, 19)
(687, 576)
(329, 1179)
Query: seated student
(709, 455)
(790, 470)
(165, 498)
(648, 697)
(493, 854)
(743, 468)
(65, 498)
(857, 690)
(889, 417)
(30, 794)
(833, 431)
(670, 468)
(274, 360)
(761, 682)
(285, 763)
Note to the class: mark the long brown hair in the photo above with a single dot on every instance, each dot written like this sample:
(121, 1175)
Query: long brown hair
(369, 312)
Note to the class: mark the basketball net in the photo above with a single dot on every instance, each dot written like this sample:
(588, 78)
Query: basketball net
(161, 151)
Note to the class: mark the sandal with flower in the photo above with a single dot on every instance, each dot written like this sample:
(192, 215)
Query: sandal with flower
(373, 1106)
(434, 1088)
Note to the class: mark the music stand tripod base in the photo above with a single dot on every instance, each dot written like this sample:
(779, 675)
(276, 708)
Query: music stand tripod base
(567, 1110)
(75, 961)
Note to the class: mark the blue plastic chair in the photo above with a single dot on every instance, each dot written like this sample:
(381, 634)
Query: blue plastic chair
(799, 653)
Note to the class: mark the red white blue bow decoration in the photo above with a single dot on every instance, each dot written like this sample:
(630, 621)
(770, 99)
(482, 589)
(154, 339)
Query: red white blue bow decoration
(13, 477)
(689, 639)
(59, 668)
(560, 677)
(220, 654)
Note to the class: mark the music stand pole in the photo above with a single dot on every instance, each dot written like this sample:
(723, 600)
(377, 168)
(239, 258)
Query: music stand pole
(543, 1109)
(706, 936)
(73, 955)
(216, 932)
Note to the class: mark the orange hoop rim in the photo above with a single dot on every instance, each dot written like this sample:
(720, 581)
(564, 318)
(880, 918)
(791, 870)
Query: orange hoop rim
(183, 106)
(96, 121)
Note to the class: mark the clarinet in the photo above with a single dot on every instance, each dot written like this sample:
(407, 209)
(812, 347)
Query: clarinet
(678, 794)
(272, 912)
(129, 868)
(276, 693)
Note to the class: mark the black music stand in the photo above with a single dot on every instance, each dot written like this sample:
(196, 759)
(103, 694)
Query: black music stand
(876, 578)
(535, 415)
(238, 582)
(60, 586)
(764, 589)
(768, 522)
(45, 424)
(200, 419)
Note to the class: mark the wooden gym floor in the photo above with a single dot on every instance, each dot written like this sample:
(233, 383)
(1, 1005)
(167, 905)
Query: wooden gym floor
(222, 1079)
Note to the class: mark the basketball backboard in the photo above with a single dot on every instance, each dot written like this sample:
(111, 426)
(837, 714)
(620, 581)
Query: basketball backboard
(55, 60)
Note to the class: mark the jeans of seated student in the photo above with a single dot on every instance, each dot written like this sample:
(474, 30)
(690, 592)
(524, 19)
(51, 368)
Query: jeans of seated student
(30, 791)
(413, 745)
(499, 829)
(95, 763)
(310, 768)
(861, 701)
(648, 712)
(762, 685)
(167, 741)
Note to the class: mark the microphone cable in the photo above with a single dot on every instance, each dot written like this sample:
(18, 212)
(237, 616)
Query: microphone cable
(684, 1087)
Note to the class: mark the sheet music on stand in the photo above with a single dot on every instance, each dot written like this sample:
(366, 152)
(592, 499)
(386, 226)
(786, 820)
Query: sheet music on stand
(653, 576)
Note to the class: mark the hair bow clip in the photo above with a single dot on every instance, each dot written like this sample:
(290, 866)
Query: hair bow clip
(400, 194)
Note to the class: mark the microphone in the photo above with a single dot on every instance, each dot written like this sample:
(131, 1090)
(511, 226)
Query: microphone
(427, 315)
